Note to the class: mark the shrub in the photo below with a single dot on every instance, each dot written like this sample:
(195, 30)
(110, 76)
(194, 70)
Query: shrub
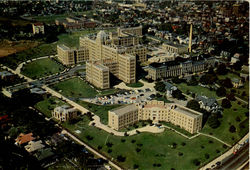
(99, 147)
(196, 162)
(123, 140)
(224, 146)
(109, 150)
(210, 141)
(180, 153)
(109, 144)
(207, 156)
(232, 129)
(89, 137)
(138, 149)
(121, 158)
(135, 166)
(133, 141)
(217, 151)
(202, 147)
(183, 143)
(237, 119)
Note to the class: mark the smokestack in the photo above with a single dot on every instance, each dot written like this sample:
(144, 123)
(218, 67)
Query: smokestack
(190, 39)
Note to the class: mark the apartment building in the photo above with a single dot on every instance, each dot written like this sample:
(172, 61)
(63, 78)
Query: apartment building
(97, 74)
(71, 56)
(156, 111)
(175, 68)
(64, 113)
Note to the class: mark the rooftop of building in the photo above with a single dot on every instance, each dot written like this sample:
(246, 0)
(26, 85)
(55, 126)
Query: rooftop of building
(124, 109)
(186, 111)
(206, 101)
(24, 138)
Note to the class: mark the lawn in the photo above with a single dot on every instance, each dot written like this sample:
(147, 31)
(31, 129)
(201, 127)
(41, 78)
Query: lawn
(100, 110)
(229, 118)
(196, 89)
(75, 88)
(240, 90)
(47, 106)
(42, 67)
(152, 148)
(228, 75)
(137, 84)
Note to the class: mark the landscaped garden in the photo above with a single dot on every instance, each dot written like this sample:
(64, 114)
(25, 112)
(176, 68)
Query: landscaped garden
(233, 125)
(135, 85)
(75, 88)
(149, 151)
(40, 68)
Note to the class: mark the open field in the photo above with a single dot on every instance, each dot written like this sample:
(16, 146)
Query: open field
(70, 39)
(75, 88)
(41, 68)
(196, 89)
(9, 47)
(146, 149)
(229, 118)
(47, 106)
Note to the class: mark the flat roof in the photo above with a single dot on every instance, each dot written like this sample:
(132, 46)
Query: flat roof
(187, 112)
(124, 109)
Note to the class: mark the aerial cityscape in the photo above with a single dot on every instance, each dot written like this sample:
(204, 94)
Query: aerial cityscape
(124, 84)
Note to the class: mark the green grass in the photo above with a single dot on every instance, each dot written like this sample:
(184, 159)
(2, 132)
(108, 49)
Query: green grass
(162, 99)
(196, 89)
(100, 110)
(62, 165)
(41, 68)
(156, 148)
(46, 106)
(75, 88)
(137, 84)
(228, 75)
(70, 39)
(177, 129)
(108, 92)
(229, 116)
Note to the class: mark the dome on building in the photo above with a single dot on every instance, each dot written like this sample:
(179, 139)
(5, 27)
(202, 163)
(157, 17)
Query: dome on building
(101, 36)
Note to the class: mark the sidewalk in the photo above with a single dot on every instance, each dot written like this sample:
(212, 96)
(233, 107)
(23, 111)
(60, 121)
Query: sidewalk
(226, 154)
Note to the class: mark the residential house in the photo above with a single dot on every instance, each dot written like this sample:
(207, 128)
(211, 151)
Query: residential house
(209, 104)
(169, 88)
(34, 146)
(24, 138)
(237, 83)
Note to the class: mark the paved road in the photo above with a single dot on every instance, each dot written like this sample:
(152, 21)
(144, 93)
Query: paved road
(91, 149)
(240, 158)
(226, 154)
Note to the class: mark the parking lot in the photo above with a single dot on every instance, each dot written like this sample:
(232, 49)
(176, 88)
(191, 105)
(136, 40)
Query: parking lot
(132, 96)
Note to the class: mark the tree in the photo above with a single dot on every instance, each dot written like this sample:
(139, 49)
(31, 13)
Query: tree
(207, 155)
(221, 92)
(232, 129)
(226, 103)
(192, 82)
(231, 97)
(193, 104)
(196, 162)
(178, 94)
(213, 122)
(176, 80)
(121, 158)
(226, 83)
(160, 86)
(222, 69)
(135, 166)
